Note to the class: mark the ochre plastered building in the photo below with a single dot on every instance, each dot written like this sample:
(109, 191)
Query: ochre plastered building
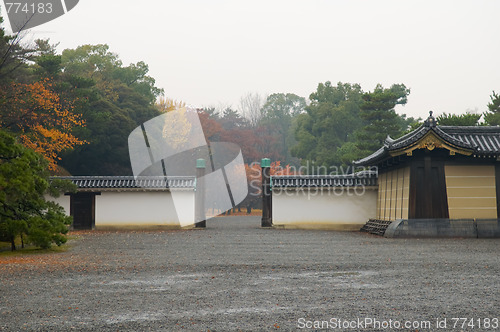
(439, 172)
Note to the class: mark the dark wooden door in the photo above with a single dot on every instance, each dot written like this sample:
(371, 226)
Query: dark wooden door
(83, 210)
(428, 197)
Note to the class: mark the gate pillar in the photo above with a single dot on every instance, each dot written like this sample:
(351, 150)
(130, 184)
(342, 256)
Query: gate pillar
(266, 193)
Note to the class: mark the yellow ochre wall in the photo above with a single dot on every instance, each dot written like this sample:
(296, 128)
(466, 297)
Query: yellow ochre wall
(393, 194)
(471, 191)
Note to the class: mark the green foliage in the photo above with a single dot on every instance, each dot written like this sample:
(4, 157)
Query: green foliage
(278, 115)
(283, 105)
(23, 209)
(494, 105)
(467, 119)
(49, 227)
(343, 123)
(230, 119)
(492, 116)
(90, 80)
(113, 99)
(378, 111)
(349, 152)
(59, 186)
(329, 122)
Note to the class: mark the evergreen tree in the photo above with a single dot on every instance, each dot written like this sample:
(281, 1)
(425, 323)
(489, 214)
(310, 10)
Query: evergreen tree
(467, 119)
(278, 115)
(328, 123)
(492, 116)
(23, 208)
(113, 99)
(378, 111)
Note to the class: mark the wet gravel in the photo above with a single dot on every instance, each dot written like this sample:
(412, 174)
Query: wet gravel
(236, 276)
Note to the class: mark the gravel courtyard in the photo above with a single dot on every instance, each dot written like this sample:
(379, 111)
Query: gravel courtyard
(236, 276)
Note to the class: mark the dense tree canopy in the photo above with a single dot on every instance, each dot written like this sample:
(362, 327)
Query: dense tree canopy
(37, 125)
(278, 119)
(329, 122)
(113, 100)
(381, 118)
(78, 106)
(31, 103)
(343, 123)
(36, 114)
(24, 183)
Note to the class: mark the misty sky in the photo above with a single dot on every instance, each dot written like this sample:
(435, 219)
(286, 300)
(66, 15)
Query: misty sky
(210, 53)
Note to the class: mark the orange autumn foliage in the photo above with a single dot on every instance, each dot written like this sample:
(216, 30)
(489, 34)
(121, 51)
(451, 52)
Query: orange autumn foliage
(36, 114)
(277, 169)
(254, 174)
(254, 171)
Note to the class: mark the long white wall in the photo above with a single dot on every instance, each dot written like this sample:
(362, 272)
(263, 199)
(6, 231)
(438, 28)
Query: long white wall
(344, 208)
(136, 209)
(144, 209)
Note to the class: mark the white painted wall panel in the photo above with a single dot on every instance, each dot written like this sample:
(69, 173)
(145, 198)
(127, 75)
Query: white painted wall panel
(115, 209)
(343, 209)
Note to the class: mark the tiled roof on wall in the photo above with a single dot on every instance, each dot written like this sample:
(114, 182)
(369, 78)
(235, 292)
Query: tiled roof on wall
(130, 182)
(367, 178)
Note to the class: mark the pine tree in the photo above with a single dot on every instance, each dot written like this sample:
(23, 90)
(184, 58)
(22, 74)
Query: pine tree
(467, 119)
(23, 209)
(492, 117)
(378, 110)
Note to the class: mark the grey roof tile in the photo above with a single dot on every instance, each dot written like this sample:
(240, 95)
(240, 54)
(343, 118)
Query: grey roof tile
(130, 182)
(367, 178)
(482, 140)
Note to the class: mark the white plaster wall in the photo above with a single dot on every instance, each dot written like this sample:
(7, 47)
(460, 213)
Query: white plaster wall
(144, 208)
(63, 200)
(343, 209)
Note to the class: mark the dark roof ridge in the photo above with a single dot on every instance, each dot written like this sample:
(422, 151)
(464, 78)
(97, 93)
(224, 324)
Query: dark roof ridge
(408, 138)
(372, 156)
(494, 129)
(388, 143)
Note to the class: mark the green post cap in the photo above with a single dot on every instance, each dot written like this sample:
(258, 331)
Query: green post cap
(265, 162)
(200, 163)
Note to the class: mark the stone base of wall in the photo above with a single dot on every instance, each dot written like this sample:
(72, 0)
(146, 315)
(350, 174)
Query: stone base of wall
(320, 226)
(139, 227)
(441, 228)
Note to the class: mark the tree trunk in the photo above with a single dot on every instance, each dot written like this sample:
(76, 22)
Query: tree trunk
(12, 243)
(249, 209)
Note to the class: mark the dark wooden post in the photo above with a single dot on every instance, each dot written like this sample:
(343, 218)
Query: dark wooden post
(267, 220)
(199, 200)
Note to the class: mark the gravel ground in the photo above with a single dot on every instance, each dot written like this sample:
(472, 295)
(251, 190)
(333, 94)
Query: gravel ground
(235, 276)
